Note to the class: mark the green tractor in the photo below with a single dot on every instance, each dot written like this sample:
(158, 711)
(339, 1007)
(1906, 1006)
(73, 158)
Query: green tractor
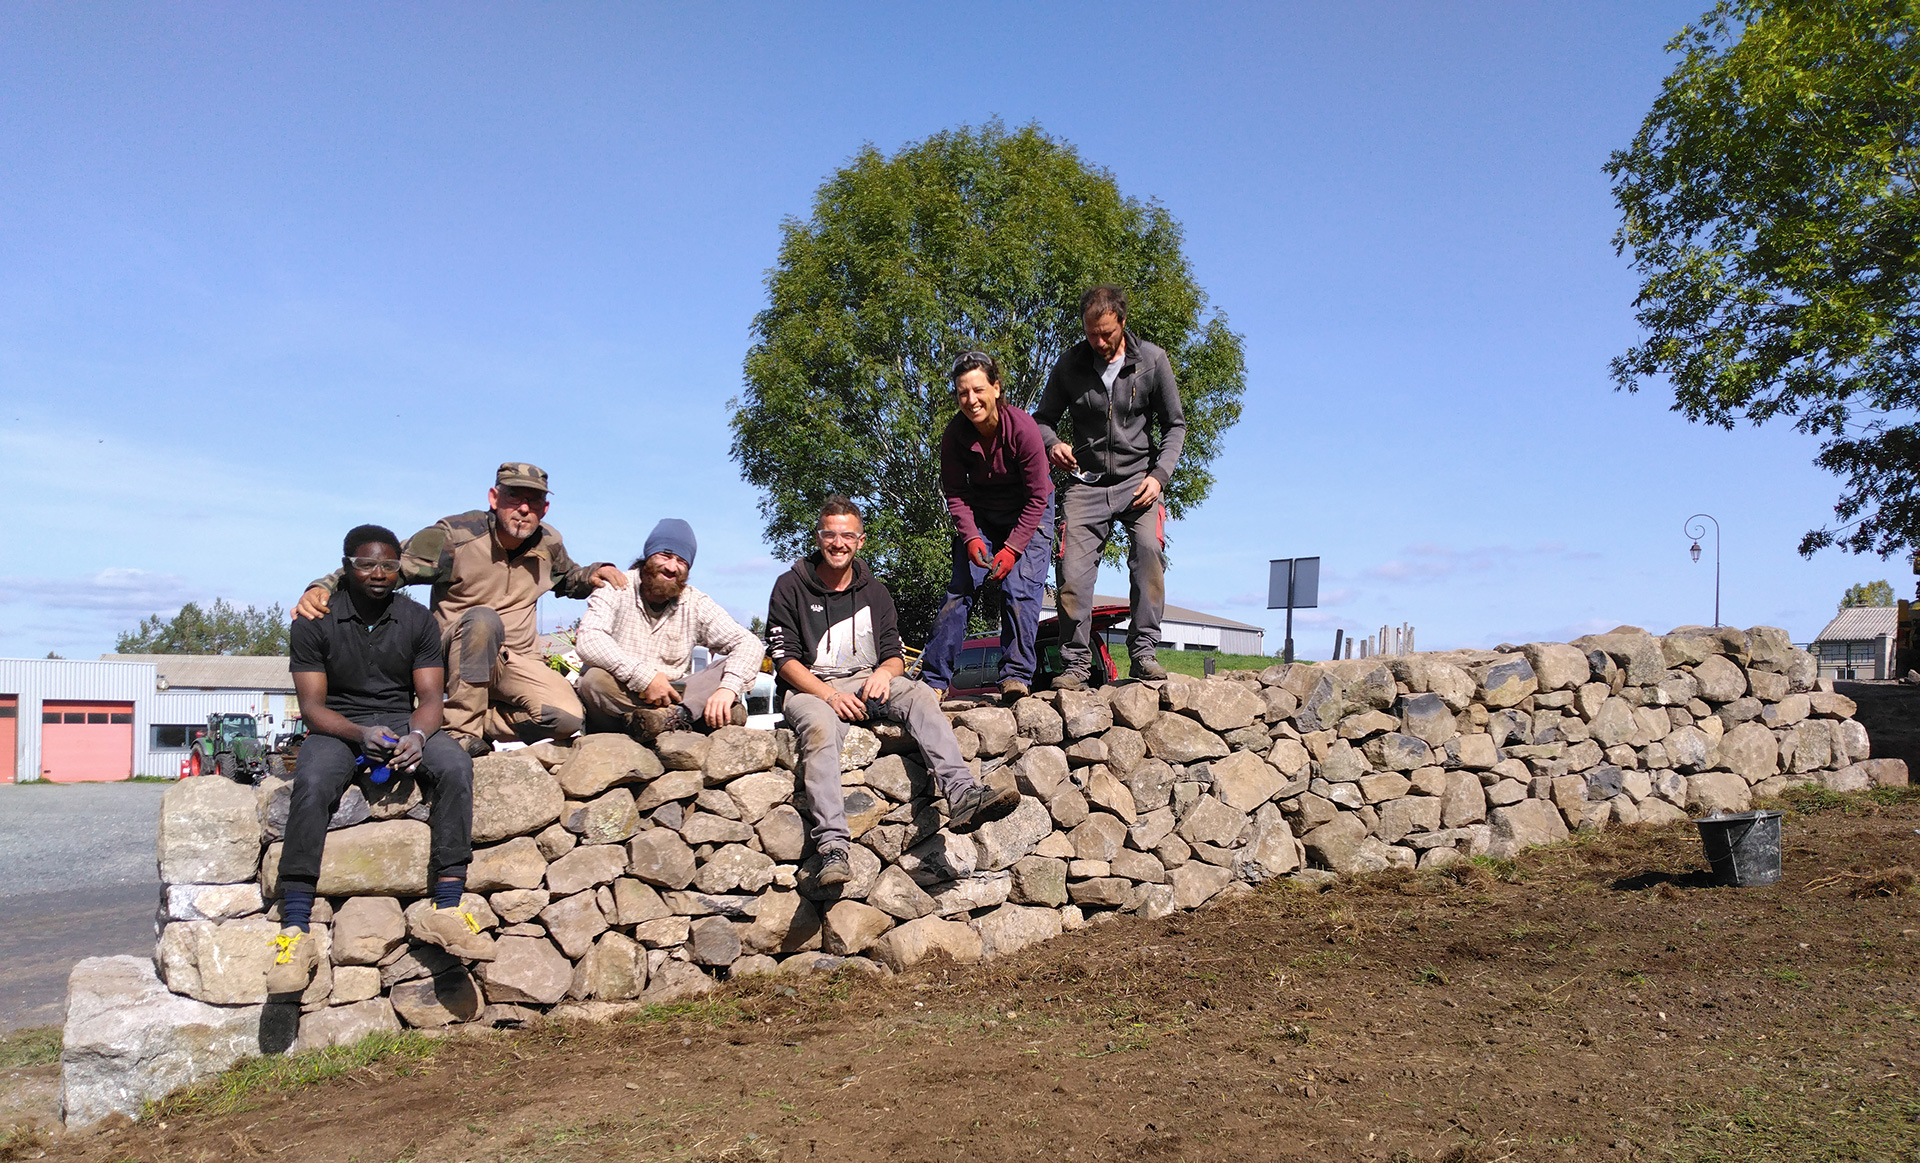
(231, 746)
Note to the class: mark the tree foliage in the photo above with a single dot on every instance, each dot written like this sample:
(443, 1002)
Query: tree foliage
(1875, 593)
(222, 628)
(1770, 206)
(970, 239)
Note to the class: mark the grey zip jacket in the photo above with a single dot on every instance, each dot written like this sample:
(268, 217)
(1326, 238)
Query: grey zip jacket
(1110, 431)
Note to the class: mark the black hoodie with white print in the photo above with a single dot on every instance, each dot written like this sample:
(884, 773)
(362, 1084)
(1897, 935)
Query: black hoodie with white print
(833, 633)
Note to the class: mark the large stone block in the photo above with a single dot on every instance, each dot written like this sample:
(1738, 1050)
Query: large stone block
(586, 867)
(366, 929)
(1244, 781)
(1084, 713)
(1220, 704)
(1135, 705)
(209, 833)
(1718, 791)
(995, 727)
(513, 795)
(526, 970)
(1524, 825)
(128, 1039)
(597, 762)
(1720, 681)
(660, 857)
(760, 792)
(517, 864)
(714, 941)
(1178, 739)
(378, 858)
(734, 867)
(1039, 880)
(1011, 928)
(852, 926)
(213, 902)
(1271, 851)
(782, 833)
(737, 751)
(915, 941)
(343, 1025)
(574, 922)
(1098, 837)
(1634, 649)
(1750, 751)
(608, 818)
(1196, 883)
(1005, 841)
(783, 922)
(429, 1003)
(614, 970)
(1557, 666)
(1505, 684)
(1210, 821)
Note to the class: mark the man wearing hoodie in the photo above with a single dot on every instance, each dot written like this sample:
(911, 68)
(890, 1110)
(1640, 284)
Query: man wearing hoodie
(836, 653)
(1114, 386)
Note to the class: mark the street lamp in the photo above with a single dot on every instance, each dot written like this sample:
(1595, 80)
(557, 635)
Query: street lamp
(1697, 531)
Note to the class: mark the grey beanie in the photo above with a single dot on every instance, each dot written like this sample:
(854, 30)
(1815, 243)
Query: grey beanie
(672, 535)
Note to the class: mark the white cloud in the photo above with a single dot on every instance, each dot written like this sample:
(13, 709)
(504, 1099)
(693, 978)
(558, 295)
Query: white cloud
(113, 590)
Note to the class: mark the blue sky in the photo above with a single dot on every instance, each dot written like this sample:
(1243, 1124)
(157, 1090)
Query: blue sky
(270, 271)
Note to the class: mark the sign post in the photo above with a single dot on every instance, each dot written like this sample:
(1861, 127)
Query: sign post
(1293, 582)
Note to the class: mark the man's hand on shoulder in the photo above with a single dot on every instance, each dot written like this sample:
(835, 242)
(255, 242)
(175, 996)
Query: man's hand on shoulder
(608, 575)
(1062, 456)
(313, 603)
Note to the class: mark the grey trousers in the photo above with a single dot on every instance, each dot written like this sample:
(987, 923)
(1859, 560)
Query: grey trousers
(818, 732)
(1088, 513)
(610, 706)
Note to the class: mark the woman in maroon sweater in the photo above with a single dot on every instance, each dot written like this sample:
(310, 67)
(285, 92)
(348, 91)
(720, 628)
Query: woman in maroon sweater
(993, 469)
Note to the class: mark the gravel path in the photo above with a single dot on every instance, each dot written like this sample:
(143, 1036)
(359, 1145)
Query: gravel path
(77, 879)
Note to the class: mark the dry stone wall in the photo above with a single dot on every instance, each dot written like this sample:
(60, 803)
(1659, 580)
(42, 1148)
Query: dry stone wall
(611, 873)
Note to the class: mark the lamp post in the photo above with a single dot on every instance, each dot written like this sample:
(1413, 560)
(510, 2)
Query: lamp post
(1696, 532)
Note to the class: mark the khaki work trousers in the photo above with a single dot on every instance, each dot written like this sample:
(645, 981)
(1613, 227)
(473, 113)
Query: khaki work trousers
(612, 707)
(496, 694)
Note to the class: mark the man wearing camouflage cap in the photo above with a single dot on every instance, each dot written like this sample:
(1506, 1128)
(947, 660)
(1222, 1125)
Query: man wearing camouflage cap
(488, 569)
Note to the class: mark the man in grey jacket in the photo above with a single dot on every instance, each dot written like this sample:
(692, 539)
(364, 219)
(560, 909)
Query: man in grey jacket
(1113, 385)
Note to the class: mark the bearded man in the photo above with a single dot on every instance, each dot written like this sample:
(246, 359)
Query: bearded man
(638, 643)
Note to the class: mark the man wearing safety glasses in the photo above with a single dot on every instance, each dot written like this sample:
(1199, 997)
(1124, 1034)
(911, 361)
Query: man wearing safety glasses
(488, 569)
(369, 675)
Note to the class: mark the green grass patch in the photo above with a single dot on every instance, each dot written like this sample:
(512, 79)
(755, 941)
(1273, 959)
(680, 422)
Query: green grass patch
(1813, 1126)
(1813, 799)
(39, 1046)
(240, 1088)
(1193, 662)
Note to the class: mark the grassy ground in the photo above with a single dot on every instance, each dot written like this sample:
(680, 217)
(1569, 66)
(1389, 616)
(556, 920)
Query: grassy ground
(1192, 661)
(35, 1047)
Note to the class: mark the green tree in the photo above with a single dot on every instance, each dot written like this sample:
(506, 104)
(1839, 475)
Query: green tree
(1878, 593)
(973, 238)
(1769, 203)
(223, 628)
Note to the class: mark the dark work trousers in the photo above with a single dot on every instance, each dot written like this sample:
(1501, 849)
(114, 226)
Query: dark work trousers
(1088, 514)
(1024, 588)
(324, 770)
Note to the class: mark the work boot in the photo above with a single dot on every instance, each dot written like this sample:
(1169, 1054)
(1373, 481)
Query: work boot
(1011, 689)
(473, 745)
(455, 930)
(1146, 666)
(834, 867)
(649, 723)
(980, 804)
(1072, 680)
(294, 961)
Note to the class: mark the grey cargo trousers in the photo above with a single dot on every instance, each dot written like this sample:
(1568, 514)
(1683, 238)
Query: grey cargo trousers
(818, 732)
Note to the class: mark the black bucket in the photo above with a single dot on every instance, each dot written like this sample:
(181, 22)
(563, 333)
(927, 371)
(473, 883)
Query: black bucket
(1743, 847)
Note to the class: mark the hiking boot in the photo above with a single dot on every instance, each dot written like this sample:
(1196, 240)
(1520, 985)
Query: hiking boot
(455, 930)
(980, 804)
(1072, 680)
(649, 723)
(474, 745)
(294, 961)
(1013, 688)
(834, 867)
(1146, 666)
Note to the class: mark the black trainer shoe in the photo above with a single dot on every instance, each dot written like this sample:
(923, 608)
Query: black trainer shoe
(981, 804)
(834, 867)
(1072, 680)
(1146, 666)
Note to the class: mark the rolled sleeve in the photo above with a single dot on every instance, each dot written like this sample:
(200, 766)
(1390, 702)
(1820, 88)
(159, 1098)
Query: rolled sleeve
(720, 634)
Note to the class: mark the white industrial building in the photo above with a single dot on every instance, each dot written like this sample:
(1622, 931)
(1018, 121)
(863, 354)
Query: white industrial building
(127, 714)
(1184, 629)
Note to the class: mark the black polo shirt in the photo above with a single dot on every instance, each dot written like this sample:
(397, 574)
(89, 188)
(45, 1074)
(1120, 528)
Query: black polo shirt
(369, 668)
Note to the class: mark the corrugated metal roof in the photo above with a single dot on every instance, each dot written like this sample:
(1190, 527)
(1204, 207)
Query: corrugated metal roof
(1173, 614)
(1860, 623)
(224, 672)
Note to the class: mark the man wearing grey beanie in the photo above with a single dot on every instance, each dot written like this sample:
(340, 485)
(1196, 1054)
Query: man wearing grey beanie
(638, 643)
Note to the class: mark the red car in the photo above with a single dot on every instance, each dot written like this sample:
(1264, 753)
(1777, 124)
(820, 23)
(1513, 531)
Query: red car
(977, 670)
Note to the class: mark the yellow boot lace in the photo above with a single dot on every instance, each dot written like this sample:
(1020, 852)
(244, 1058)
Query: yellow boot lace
(285, 942)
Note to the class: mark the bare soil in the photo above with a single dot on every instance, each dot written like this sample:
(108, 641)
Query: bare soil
(1596, 1001)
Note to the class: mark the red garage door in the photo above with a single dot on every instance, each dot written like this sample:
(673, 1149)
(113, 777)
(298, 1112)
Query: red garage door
(86, 742)
(9, 735)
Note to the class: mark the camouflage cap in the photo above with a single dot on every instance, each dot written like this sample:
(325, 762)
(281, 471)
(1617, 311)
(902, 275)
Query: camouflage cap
(518, 474)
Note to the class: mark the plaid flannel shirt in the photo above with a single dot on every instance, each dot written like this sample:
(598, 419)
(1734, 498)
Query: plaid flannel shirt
(620, 637)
